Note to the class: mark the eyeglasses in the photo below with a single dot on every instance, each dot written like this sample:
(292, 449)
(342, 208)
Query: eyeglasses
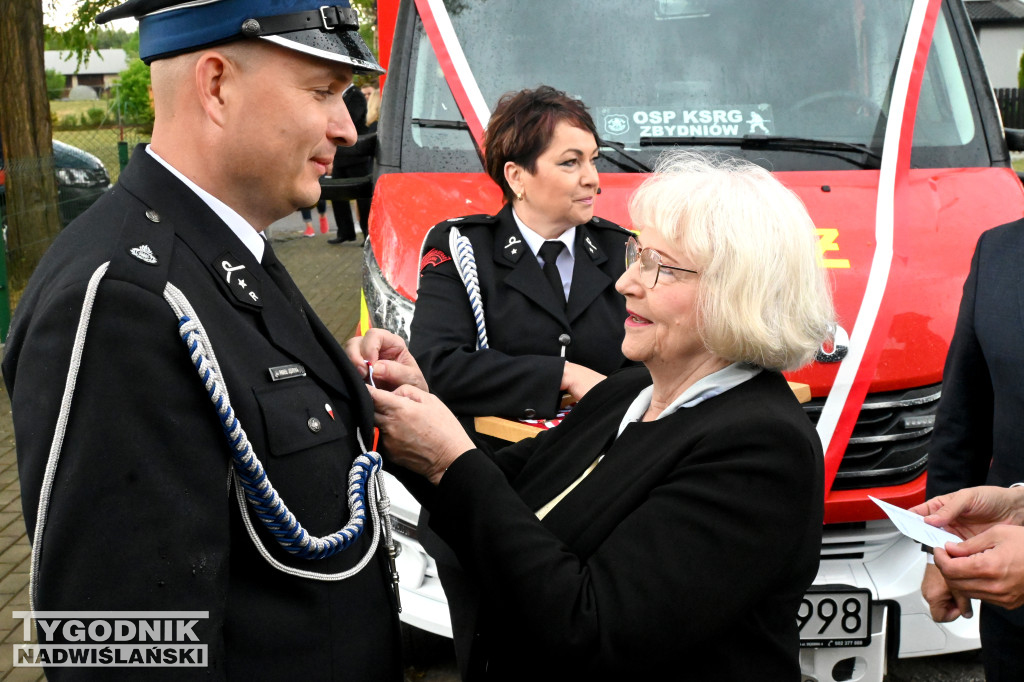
(650, 263)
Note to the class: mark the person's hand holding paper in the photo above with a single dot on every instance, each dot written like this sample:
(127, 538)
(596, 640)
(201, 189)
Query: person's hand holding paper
(913, 525)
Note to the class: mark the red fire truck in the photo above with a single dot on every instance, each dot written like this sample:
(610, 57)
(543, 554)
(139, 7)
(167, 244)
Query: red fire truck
(877, 113)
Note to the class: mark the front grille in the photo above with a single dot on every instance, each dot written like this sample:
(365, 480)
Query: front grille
(889, 445)
(858, 540)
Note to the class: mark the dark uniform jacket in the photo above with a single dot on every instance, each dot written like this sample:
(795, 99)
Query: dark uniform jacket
(143, 515)
(520, 374)
(687, 549)
(978, 425)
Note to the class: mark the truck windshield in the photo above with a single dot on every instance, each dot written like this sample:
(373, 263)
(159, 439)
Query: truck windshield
(727, 73)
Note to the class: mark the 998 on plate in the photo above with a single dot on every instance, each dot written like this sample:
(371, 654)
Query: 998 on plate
(835, 616)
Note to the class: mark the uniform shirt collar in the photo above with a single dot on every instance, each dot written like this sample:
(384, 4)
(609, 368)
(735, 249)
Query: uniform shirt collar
(713, 384)
(566, 260)
(252, 239)
(534, 240)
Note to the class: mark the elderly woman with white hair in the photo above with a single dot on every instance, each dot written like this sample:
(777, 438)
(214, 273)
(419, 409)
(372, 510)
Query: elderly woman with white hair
(673, 520)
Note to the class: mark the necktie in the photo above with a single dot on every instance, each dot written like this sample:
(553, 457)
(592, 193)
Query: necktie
(272, 266)
(549, 251)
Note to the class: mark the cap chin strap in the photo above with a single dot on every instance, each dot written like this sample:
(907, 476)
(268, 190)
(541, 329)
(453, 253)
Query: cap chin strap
(327, 18)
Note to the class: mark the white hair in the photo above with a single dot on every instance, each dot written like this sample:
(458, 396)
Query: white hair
(762, 296)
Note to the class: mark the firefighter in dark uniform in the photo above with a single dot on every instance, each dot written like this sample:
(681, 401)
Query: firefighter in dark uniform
(125, 463)
(546, 269)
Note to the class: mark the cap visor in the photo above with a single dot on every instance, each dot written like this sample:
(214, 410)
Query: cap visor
(346, 47)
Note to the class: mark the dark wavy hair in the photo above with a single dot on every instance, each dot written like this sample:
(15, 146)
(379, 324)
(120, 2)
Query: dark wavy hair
(521, 128)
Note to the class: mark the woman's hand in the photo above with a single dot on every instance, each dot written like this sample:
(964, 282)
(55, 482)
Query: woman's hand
(421, 434)
(577, 380)
(393, 364)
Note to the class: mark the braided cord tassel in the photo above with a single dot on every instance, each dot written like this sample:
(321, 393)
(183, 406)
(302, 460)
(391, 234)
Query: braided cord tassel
(465, 264)
(264, 500)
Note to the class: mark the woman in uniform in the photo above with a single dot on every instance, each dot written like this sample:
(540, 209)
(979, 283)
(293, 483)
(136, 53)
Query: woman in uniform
(545, 267)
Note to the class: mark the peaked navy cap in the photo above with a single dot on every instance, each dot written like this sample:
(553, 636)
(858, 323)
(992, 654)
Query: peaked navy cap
(172, 27)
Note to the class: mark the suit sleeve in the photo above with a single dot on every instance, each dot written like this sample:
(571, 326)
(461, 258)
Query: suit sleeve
(961, 446)
(143, 458)
(443, 340)
(713, 538)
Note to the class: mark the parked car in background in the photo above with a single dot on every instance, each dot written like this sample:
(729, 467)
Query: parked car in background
(81, 179)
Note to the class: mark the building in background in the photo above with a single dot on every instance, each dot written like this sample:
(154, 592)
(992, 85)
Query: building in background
(98, 71)
(999, 25)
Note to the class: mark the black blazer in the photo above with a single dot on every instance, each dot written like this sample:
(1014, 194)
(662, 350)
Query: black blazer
(520, 374)
(978, 425)
(688, 548)
(142, 516)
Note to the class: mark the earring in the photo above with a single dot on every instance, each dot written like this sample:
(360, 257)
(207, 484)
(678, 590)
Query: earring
(519, 196)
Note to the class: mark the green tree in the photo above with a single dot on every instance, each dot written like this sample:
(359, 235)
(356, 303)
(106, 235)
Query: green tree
(98, 39)
(132, 98)
(112, 38)
(131, 46)
(1020, 72)
(83, 35)
(367, 11)
(26, 130)
(54, 84)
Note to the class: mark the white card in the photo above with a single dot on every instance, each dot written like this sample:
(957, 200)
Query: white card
(914, 527)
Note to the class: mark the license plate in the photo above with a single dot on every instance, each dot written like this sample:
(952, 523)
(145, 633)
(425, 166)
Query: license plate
(835, 617)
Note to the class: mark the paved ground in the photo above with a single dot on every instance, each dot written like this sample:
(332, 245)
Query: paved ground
(329, 275)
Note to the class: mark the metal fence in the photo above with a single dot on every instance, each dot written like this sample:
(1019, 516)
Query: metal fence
(102, 142)
(79, 181)
(1011, 106)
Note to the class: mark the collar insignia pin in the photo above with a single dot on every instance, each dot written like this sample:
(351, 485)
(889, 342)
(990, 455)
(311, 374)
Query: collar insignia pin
(229, 268)
(143, 253)
(244, 288)
(511, 248)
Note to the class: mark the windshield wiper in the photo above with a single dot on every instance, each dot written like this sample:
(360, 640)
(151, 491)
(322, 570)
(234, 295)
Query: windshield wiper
(440, 123)
(839, 150)
(635, 165)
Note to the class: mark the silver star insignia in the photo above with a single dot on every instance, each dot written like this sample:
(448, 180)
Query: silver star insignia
(241, 283)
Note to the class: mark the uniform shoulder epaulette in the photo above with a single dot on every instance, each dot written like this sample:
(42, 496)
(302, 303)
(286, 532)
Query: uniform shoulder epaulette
(142, 252)
(477, 219)
(604, 223)
(438, 234)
